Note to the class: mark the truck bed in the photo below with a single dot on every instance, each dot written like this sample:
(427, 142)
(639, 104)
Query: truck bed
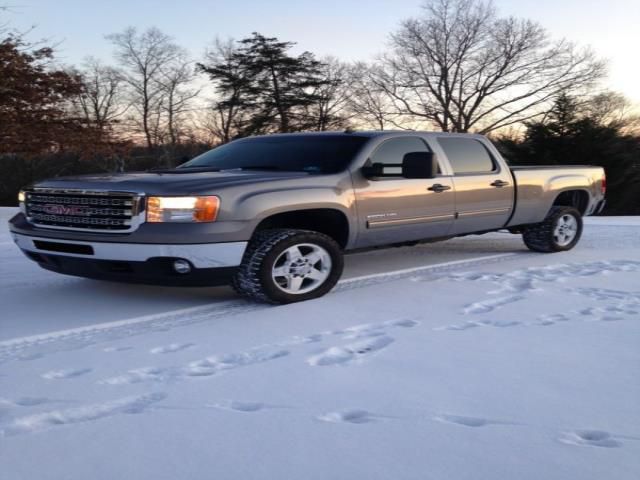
(537, 186)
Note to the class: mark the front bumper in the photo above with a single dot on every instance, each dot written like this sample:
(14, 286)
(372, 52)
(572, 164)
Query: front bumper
(212, 263)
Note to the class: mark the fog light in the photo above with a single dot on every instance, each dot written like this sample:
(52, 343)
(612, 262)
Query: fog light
(181, 266)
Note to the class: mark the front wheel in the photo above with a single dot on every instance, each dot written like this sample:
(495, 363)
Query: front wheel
(286, 265)
(560, 231)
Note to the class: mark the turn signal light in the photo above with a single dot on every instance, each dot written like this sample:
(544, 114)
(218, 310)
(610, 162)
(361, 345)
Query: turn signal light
(182, 209)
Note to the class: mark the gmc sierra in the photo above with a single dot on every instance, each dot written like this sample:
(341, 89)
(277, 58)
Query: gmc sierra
(272, 215)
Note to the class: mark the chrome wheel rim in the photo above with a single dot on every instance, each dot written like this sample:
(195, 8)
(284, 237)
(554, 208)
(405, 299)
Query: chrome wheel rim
(301, 268)
(566, 230)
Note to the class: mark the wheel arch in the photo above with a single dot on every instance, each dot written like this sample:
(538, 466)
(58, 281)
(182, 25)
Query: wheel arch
(576, 198)
(329, 221)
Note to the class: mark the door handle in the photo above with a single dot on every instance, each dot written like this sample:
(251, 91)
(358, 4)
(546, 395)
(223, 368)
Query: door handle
(438, 188)
(499, 184)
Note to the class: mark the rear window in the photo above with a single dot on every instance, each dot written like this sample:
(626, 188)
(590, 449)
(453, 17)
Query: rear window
(467, 155)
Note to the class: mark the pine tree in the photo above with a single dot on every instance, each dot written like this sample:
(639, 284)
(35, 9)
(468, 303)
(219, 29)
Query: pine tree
(266, 88)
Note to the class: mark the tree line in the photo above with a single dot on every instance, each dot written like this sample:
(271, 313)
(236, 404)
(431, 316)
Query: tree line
(458, 66)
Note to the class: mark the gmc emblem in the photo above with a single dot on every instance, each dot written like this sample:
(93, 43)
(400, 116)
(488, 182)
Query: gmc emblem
(53, 209)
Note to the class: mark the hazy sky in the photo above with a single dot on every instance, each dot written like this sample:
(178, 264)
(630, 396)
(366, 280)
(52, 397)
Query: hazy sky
(349, 29)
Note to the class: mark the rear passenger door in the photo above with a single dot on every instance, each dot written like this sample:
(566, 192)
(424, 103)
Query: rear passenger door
(484, 188)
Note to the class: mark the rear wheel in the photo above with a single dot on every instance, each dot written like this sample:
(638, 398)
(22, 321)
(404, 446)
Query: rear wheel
(560, 231)
(286, 265)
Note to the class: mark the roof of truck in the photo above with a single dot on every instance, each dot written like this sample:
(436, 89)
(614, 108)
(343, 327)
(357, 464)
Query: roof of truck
(370, 133)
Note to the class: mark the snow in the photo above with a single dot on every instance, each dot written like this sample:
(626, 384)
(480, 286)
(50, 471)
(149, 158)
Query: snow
(469, 359)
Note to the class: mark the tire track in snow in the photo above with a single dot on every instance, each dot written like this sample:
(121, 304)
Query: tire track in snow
(21, 348)
(72, 339)
(86, 413)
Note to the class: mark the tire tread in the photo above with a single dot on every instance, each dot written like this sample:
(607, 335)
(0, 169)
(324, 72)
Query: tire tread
(246, 281)
(539, 237)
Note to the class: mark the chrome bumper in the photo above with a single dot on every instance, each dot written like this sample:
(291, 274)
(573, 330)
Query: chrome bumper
(205, 255)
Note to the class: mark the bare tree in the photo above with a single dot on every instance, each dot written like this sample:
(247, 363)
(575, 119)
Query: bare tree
(613, 110)
(330, 109)
(101, 100)
(460, 67)
(176, 80)
(368, 102)
(143, 56)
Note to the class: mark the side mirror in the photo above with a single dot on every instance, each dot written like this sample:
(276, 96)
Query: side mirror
(374, 170)
(419, 165)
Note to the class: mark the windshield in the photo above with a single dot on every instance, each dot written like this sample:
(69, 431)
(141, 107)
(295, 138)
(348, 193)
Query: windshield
(294, 153)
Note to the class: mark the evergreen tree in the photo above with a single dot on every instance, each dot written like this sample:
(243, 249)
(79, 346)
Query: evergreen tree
(270, 87)
(567, 136)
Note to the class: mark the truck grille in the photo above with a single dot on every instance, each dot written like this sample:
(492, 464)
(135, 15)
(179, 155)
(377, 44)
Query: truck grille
(115, 212)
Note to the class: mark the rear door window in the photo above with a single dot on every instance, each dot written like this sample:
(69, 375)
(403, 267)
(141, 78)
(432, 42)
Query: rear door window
(467, 155)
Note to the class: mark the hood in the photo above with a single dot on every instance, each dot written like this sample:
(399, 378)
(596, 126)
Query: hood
(166, 182)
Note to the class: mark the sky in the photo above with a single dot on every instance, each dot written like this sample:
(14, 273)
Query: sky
(348, 29)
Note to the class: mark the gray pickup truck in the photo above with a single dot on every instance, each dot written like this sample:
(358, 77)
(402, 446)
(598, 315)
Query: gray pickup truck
(272, 215)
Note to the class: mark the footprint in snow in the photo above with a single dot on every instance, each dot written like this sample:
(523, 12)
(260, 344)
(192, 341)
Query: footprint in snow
(504, 323)
(199, 368)
(350, 352)
(348, 416)
(590, 438)
(25, 357)
(63, 374)
(459, 327)
(139, 375)
(551, 319)
(220, 363)
(403, 323)
(363, 334)
(487, 323)
(490, 305)
(468, 421)
(23, 402)
(356, 332)
(609, 318)
(612, 311)
(171, 348)
(237, 406)
(30, 401)
(302, 340)
(81, 414)
(116, 349)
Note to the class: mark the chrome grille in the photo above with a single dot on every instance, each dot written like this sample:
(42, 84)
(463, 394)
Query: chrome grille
(114, 212)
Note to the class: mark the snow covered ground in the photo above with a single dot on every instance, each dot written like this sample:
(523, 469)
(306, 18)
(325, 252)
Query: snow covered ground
(470, 359)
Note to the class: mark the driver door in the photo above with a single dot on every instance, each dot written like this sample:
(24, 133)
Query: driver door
(397, 209)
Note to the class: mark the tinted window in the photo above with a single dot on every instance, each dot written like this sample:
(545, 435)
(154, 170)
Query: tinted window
(394, 150)
(297, 153)
(467, 155)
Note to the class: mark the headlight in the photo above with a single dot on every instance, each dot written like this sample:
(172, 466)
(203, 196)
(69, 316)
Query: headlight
(182, 209)
(21, 199)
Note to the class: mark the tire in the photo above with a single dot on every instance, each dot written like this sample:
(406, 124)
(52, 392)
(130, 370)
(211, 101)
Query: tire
(271, 271)
(559, 232)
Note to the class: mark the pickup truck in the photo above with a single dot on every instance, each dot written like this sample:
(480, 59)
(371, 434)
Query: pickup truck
(272, 215)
